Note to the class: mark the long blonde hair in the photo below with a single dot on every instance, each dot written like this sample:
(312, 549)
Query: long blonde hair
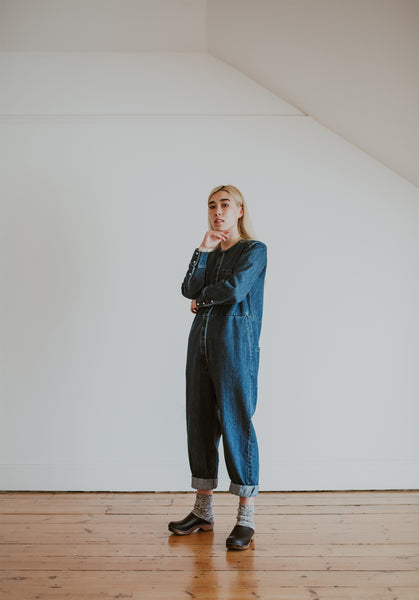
(244, 223)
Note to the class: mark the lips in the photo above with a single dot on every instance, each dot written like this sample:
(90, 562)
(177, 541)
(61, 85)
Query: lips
(218, 221)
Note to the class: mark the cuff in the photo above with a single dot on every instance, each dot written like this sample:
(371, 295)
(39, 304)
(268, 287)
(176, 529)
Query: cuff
(202, 301)
(198, 260)
(244, 490)
(204, 484)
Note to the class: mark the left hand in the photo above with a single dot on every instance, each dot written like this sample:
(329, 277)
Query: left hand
(194, 307)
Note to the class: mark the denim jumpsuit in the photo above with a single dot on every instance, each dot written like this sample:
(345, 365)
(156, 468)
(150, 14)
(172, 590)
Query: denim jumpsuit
(223, 361)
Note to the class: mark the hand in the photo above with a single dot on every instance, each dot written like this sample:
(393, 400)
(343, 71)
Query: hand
(212, 239)
(194, 307)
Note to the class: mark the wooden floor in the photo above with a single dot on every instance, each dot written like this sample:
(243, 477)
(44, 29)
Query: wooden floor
(307, 546)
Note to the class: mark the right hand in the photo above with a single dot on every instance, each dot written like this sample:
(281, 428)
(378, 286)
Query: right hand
(194, 307)
(212, 239)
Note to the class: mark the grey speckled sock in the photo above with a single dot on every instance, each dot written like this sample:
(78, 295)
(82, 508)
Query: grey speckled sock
(245, 515)
(203, 507)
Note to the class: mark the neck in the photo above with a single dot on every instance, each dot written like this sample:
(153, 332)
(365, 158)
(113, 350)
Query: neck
(230, 242)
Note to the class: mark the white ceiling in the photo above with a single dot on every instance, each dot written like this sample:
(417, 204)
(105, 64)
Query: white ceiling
(349, 64)
(104, 25)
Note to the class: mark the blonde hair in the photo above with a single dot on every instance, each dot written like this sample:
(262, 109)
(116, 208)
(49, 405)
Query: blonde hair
(244, 223)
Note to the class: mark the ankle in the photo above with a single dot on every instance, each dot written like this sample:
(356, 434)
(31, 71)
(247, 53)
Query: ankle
(245, 515)
(203, 507)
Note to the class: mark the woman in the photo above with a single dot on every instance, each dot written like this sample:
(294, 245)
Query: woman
(225, 282)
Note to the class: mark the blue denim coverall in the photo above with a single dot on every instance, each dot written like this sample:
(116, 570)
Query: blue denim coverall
(223, 361)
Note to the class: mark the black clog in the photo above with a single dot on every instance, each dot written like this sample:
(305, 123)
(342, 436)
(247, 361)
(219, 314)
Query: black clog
(190, 524)
(240, 537)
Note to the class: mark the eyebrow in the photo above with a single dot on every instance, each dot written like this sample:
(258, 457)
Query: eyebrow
(222, 200)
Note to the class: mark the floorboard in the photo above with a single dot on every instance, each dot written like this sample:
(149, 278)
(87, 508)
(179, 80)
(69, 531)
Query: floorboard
(307, 546)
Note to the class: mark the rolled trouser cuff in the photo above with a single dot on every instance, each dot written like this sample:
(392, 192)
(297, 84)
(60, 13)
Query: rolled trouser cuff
(204, 484)
(244, 490)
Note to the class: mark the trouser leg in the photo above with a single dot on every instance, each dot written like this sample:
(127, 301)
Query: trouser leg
(235, 381)
(202, 420)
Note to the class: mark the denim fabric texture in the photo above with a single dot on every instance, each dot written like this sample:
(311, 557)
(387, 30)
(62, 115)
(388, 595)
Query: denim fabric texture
(223, 361)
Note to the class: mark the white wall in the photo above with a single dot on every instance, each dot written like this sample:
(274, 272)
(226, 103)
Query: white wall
(102, 204)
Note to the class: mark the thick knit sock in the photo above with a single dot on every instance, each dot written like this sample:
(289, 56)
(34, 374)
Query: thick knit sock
(245, 515)
(203, 507)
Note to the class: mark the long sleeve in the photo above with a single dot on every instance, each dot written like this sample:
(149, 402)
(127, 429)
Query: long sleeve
(195, 276)
(236, 286)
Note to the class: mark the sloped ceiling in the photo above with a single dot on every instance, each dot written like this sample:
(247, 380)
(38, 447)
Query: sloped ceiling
(349, 64)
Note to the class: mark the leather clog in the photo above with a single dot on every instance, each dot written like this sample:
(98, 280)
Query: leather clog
(190, 524)
(240, 537)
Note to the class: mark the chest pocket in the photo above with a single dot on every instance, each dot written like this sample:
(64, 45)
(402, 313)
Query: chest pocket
(226, 272)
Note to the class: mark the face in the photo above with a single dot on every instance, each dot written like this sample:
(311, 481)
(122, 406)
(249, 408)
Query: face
(223, 212)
